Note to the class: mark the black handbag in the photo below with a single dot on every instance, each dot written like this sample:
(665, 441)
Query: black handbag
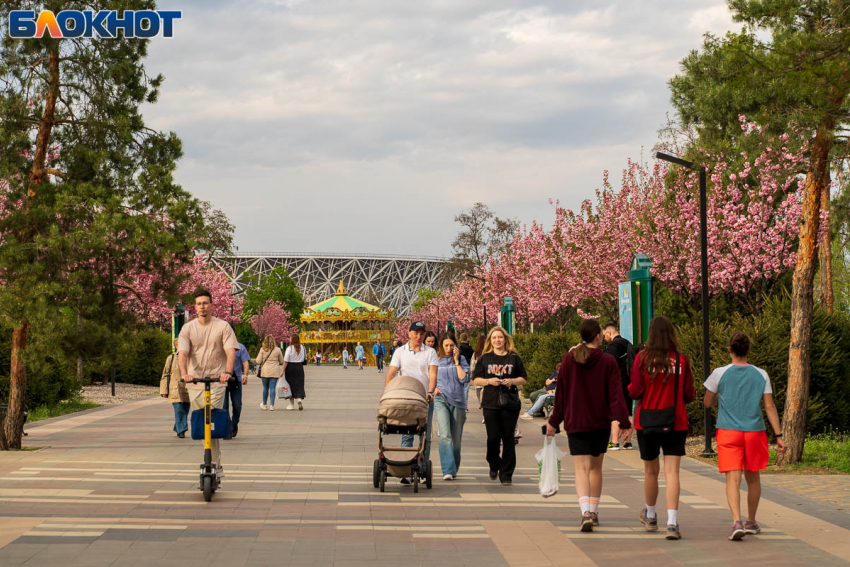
(662, 420)
(509, 398)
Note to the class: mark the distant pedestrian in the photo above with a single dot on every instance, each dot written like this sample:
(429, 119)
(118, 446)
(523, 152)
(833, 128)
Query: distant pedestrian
(171, 388)
(234, 390)
(540, 397)
(619, 348)
(378, 351)
(589, 392)
(430, 340)
(466, 351)
(391, 351)
(345, 359)
(318, 358)
(293, 370)
(740, 388)
(450, 404)
(661, 379)
(476, 354)
(500, 371)
(359, 355)
(269, 370)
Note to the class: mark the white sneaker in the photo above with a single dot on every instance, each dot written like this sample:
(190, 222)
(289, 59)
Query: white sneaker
(263, 406)
(526, 416)
(271, 408)
(290, 406)
(448, 477)
(300, 405)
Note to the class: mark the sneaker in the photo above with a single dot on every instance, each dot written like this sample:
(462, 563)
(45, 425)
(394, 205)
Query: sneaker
(738, 532)
(263, 406)
(673, 532)
(651, 524)
(448, 477)
(181, 435)
(507, 483)
(271, 408)
(751, 527)
(595, 516)
(493, 475)
(526, 416)
(290, 406)
(219, 472)
(405, 481)
(482, 421)
(300, 405)
(613, 446)
(586, 522)
(627, 446)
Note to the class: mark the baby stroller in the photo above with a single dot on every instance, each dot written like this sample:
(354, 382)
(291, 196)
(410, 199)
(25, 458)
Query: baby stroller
(403, 410)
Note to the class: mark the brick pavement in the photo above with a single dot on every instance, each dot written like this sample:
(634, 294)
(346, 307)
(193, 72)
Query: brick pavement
(116, 487)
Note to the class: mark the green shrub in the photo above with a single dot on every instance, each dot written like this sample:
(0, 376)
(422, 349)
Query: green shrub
(141, 356)
(540, 354)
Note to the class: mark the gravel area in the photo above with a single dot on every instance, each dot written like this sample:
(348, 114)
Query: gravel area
(123, 393)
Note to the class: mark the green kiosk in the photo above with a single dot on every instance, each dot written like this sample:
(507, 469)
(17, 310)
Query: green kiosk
(636, 301)
(508, 315)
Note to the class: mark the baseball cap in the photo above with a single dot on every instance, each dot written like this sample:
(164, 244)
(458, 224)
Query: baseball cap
(417, 326)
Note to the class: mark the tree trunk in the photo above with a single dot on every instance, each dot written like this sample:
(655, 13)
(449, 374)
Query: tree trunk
(827, 297)
(14, 424)
(800, 350)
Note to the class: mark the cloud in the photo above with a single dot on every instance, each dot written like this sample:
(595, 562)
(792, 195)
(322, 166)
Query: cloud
(320, 125)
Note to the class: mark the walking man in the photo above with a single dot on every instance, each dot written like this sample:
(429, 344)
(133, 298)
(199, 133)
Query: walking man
(345, 358)
(619, 347)
(739, 389)
(419, 361)
(378, 351)
(207, 348)
(233, 394)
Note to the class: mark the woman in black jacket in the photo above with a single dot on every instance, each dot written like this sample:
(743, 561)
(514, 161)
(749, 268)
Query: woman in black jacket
(500, 371)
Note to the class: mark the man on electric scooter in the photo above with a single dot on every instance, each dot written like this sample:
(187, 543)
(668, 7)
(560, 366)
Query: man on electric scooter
(206, 348)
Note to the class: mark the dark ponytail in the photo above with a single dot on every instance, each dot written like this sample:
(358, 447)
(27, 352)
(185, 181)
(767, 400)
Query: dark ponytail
(589, 330)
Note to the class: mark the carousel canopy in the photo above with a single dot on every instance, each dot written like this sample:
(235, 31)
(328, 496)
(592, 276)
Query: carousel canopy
(343, 306)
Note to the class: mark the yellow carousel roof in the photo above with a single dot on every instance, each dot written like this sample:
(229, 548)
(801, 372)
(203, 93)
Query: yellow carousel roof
(343, 306)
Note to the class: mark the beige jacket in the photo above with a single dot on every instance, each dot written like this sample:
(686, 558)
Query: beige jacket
(176, 390)
(269, 364)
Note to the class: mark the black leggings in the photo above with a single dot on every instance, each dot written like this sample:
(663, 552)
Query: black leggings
(500, 425)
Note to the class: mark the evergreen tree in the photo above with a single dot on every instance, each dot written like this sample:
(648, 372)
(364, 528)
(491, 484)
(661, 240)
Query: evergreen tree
(87, 194)
(796, 80)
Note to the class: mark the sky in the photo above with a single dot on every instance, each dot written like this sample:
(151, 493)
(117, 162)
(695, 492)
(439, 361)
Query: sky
(364, 127)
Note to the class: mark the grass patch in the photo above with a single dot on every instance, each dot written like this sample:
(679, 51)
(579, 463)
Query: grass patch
(826, 453)
(62, 408)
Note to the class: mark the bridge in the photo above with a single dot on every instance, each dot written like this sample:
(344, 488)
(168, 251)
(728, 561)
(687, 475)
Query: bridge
(389, 281)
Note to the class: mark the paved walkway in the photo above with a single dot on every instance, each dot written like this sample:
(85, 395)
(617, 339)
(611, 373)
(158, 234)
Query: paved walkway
(114, 486)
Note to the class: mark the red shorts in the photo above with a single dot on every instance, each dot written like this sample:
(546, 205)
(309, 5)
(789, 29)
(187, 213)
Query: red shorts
(742, 450)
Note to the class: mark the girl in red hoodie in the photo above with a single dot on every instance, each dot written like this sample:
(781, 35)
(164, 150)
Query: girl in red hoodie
(661, 372)
(589, 392)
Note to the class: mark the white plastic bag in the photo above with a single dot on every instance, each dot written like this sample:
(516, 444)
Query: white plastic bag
(283, 390)
(549, 463)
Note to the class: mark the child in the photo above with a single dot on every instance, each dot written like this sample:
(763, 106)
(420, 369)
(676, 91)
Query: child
(741, 435)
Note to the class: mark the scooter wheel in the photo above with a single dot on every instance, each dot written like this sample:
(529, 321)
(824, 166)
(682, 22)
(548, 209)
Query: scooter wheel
(208, 488)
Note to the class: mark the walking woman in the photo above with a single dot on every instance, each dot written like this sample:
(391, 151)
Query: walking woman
(269, 368)
(589, 392)
(499, 370)
(450, 403)
(358, 354)
(171, 388)
(293, 369)
(479, 350)
(662, 380)
(430, 340)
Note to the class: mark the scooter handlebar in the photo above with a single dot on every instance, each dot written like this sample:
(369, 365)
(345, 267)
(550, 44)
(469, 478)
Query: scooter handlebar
(230, 381)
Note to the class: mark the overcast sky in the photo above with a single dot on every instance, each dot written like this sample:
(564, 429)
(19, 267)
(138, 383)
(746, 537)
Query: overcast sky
(359, 126)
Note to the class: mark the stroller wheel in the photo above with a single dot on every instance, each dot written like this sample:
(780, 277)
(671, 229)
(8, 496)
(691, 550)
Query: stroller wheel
(382, 481)
(429, 475)
(416, 481)
(376, 473)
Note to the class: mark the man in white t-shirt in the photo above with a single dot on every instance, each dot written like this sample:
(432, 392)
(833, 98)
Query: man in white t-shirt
(419, 361)
(207, 348)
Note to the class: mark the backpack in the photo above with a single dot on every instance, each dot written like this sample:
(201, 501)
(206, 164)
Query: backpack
(630, 356)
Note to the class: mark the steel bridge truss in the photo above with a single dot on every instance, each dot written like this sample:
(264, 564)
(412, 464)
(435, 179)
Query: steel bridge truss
(389, 281)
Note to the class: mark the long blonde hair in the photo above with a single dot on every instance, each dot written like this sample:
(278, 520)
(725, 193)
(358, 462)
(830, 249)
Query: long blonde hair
(268, 343)
(509, 341)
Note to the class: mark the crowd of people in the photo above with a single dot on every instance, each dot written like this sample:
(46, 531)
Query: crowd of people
(598, 396)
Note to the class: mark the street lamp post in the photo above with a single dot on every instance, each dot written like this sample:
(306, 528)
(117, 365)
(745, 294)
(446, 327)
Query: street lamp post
(703, 232)
(484, 285)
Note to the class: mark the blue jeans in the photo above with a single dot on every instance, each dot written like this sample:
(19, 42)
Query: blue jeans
(181, 412)
(450, 420)
(234, 396)
(538, 405)
(269, 385)
(407, 440)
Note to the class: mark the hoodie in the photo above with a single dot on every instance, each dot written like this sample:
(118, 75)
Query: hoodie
(589, 396)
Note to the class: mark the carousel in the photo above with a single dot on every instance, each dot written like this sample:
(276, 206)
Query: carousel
(340, 323)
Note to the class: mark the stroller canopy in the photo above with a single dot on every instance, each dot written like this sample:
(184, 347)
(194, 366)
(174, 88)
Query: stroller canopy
(403, 403)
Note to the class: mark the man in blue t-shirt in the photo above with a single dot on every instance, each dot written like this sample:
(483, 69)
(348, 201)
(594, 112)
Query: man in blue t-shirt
(739, 389)
(240, 372)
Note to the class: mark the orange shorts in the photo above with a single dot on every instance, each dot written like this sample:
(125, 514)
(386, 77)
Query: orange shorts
(742, 450)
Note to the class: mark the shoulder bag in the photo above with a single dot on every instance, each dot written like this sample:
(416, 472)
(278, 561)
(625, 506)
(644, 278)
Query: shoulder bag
(509, 397)
(662, 420)
(260, 367)
(168, 380)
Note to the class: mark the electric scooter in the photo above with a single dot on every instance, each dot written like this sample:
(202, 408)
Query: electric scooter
(209, 482)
